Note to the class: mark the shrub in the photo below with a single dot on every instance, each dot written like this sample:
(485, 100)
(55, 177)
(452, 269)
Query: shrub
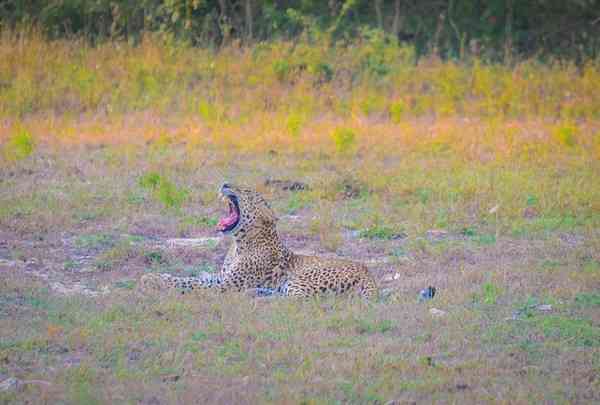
(207, 111)
(566, 134)
(150, 180)
(164, 190)
(19, 146)
(490, 293)
(344, 139)
(372, 104)
(294, 123)
(282, 69)
(379, 232)
(396, 111)
(170, 195)
(323, 72)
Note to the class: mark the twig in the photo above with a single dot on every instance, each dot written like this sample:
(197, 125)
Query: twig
(40, 382)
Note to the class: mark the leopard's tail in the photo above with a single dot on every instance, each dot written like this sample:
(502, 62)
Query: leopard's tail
(164, 282)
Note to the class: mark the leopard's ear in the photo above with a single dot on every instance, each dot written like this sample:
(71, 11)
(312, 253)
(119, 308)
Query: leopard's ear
(266, 212)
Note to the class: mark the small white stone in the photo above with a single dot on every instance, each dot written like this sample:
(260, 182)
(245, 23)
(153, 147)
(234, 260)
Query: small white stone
(494, 209)
(391, 277)
(192, 242)
(437, 234)
(378, 261)
(544, 307)
(437, 312)
(88, 269)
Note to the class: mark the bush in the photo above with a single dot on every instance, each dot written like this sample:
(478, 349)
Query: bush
(19, 146)
(282, 69)
(164, 190)
(344, 139)
(566, 134)
(150, 180)
(294, 123)
(207, 111)
(396, 111)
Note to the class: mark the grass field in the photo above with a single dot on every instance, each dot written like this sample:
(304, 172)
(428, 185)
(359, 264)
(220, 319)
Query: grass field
(481, 180)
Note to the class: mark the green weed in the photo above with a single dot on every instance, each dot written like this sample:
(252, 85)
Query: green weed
(532, 200)
(282, 69)
(69, 265)
(528, 309)
(566, 134)
(150, 180)
(485, 239)
(294, 123)
(397, 110)
(81, 384)
(423, 194)
(379, 232)
(399, 252)
(478, 238)
(209, 112)
(369, 326)
(489, 294)
(126, 284)
(96, 241)
(587, 300)
(164, 190)
(591, 267)
(155, 257)
(551, 265)
(344, 139)
(355, 393)
(295, 203)
(372, 104)
(199, 336)
(232, 352)
(547, 224)
(201, 221)
(19, 146)
(577, 332)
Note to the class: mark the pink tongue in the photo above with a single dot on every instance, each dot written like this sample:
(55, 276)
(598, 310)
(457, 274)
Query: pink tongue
(227, 221)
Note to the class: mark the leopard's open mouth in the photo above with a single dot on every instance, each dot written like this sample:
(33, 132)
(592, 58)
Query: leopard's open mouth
(230, 221)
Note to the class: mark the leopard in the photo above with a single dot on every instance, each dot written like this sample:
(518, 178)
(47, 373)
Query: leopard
(259, 260)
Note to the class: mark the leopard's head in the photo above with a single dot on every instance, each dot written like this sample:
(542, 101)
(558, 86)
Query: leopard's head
(247, 211)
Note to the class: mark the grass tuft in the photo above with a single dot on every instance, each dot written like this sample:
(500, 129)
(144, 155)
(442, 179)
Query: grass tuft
(344, 139)
(164, 190)
(19, 146)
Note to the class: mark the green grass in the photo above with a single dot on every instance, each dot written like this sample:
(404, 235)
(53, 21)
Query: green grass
(379, 232)
(576, 332)
(164, 190)
(344, 139)
(588, 300)
(360, 351)
(20, 145)
(96, 241)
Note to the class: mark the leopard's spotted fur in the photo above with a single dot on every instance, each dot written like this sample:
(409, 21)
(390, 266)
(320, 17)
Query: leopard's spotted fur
(259, 259)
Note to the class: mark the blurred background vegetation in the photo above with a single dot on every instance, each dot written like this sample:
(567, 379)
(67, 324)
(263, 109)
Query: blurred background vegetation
(495, 30)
